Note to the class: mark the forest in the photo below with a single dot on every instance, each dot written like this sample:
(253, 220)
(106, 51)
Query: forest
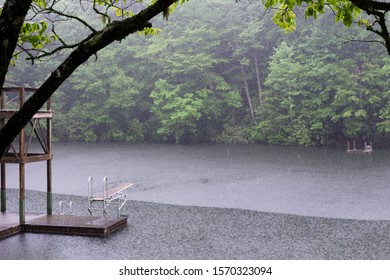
(222, 71)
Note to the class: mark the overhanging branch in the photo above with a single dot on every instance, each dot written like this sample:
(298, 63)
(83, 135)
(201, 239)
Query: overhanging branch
(115, 31)
(371, 5)
(379, 10)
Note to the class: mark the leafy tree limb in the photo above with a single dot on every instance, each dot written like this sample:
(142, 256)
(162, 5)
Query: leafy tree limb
(114, 31)
(346, 11)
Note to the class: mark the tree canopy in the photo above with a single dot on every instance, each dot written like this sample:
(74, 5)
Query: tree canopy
(217, 71)
(119, 21)
(346, 11)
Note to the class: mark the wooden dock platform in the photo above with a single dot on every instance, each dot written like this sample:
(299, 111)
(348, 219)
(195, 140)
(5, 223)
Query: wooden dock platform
(60, 224)
(9, 223)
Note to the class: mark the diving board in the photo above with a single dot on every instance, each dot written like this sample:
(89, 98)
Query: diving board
(113, 196)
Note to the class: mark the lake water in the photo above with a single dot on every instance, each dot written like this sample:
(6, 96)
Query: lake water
(323, 182)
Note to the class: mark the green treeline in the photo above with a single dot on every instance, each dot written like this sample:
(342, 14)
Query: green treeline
(221, 71)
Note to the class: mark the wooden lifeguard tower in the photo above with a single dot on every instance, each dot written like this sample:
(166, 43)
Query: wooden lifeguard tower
(34, 145)
(25, 150)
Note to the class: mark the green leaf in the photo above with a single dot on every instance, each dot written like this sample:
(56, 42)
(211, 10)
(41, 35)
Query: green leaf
(348, 114)
(361, 113)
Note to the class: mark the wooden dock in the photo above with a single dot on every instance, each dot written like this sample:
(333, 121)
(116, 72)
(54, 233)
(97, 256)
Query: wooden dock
(59, 224)
(20, 153)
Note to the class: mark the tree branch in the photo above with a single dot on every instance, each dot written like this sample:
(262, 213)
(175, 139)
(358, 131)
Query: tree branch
(379, 10)
(380, 19)
(371, 5)
(55, 50)
(55, 14)
(51, 10)
(115, 31)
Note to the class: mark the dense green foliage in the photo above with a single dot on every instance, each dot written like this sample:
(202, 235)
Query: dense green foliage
(221, 71)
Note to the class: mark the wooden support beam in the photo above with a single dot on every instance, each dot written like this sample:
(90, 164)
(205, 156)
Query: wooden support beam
(49, 165)
(3, 173)
(22, 180)
(22, 195)
(6, 114)
(10, 158)
(3, 189)
(49, 196)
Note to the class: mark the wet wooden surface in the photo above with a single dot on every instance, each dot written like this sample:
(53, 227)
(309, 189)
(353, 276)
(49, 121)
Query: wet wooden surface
(60, 224)
(9, 223)
(12, 218)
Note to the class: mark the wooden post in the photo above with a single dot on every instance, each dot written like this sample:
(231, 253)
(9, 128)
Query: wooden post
(22, 214)
(3, 191)
(49, 195)
(22, 196)
(3, 181)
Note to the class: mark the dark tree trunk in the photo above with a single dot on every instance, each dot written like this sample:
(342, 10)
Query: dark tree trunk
(11, 21)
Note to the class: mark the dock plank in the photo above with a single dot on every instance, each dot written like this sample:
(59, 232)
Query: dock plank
(9, 223)
(75, 225)
(60, 224)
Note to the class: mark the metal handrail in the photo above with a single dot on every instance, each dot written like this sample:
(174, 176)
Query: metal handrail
(90, 195)
(107, 198)
(71, 208)
(105, 195)
(61, 206)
